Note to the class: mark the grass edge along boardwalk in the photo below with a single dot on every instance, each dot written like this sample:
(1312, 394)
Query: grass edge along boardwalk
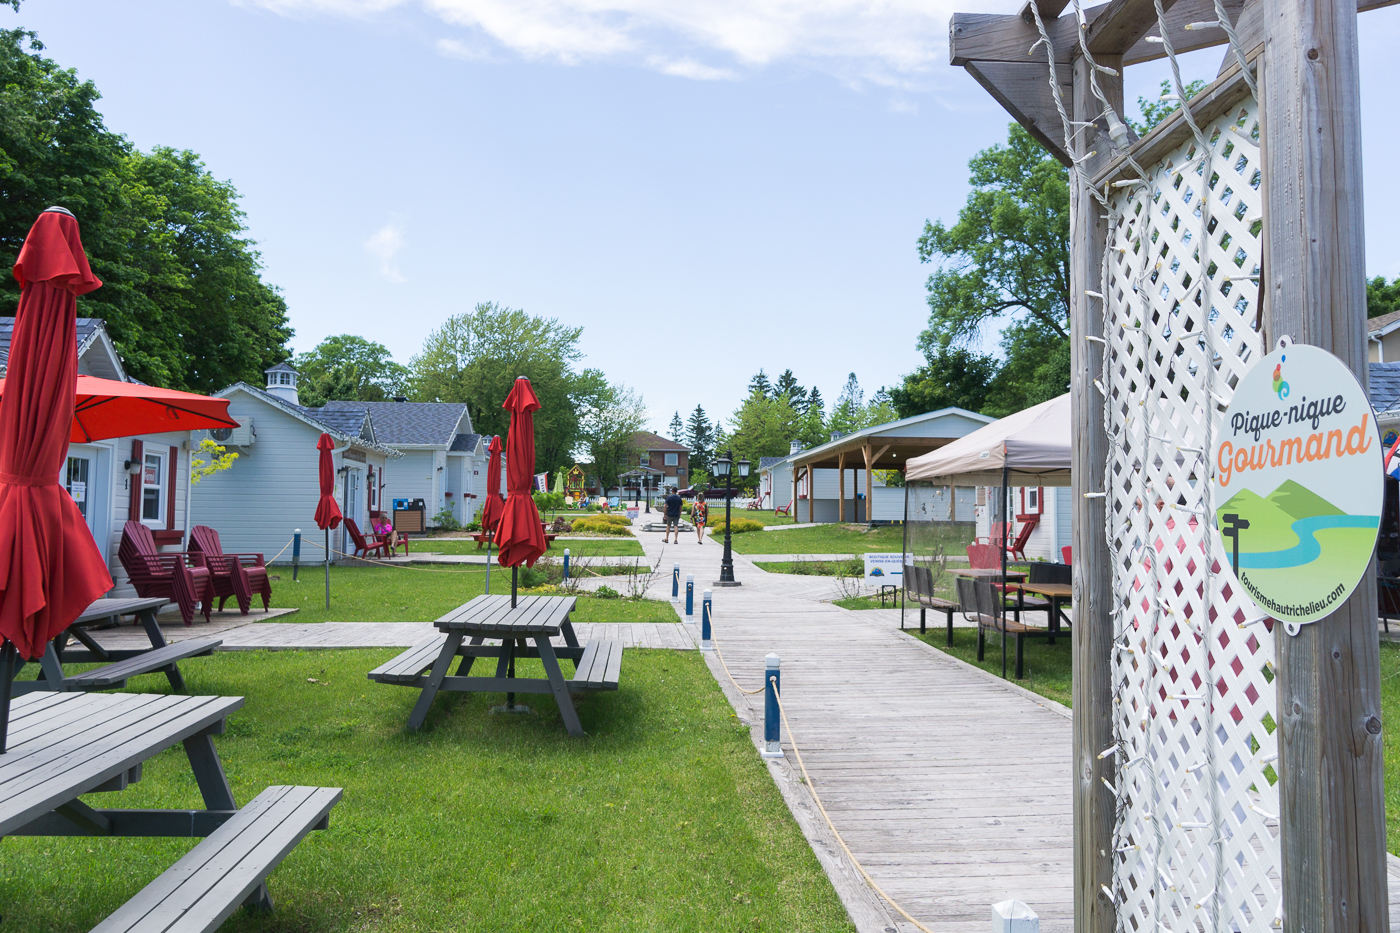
(662, 818)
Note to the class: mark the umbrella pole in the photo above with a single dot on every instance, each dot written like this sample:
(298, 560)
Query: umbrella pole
(514, 582)
(328, 568)
(7, 679)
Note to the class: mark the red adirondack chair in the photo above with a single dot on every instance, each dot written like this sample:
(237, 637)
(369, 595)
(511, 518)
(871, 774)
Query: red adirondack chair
(236, 575)
(984, 556)
(164, 576)
(1016, 548)
(365, 545)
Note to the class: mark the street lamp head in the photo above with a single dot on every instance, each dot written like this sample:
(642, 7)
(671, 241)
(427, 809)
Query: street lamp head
(744, 467)
(722, 465)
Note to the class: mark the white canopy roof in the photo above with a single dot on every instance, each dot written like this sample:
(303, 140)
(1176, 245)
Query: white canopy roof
(1034, 443)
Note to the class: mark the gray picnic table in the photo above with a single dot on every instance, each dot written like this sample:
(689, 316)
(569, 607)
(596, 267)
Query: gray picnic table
(524, 632)
(66, 745)
(124, 663)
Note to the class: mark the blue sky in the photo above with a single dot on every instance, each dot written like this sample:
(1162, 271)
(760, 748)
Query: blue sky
(707, 187)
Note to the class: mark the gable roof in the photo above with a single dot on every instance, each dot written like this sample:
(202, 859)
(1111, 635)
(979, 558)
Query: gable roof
(1385, 385)
(766, 462)
(645, 440)
(433, 424)
(1380, 326)
(357, 430)
(465, 443)
(91, 331)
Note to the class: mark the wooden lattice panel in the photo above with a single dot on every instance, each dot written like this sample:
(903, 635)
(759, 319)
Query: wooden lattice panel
(1196, 834)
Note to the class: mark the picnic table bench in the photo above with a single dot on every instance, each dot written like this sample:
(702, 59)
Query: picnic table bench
(65, 745)
(918, 586)
(482, 537)
(534, 619)
(161, 657)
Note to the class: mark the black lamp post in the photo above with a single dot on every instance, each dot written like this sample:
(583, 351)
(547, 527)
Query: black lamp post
(723, 467)
(646, 478)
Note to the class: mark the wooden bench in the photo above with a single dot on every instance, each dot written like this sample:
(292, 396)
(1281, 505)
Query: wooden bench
(977, 600)
(598, 667)
(229, 867)
(114, 676)
(918, 586)
(482, 537)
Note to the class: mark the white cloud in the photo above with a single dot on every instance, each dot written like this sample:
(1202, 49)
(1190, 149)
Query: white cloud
(884, 42)
(385, 246)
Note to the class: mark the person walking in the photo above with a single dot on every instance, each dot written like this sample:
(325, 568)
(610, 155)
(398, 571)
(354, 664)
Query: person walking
(673, 516)
(699, 514)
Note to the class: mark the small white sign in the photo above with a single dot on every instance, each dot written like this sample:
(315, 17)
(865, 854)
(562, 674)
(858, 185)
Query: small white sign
(78, 491)
(885, 568)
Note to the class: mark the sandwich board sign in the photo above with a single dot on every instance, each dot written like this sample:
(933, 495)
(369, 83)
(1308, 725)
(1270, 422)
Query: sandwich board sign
(1298, 483)
(885, 568)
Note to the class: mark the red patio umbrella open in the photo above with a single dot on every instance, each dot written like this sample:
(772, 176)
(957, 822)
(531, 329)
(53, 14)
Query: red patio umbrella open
(50, 567)
(108, 408)
(327, 511)
(521, 536)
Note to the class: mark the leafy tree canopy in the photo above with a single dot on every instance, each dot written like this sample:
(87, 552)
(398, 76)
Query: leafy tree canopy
(183, 296)
(609, 418)
(1382, 297)
(346, 367)
(1156, 110)
(700, 438)
(762, 427)
(474, 357)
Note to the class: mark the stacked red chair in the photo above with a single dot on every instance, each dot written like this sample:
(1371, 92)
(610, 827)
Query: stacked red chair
(173, 576)
(237, 575)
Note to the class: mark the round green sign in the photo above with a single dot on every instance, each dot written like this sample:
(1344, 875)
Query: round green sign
(1299, 483)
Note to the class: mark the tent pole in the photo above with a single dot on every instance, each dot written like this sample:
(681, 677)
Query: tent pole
(904, 559)
(328, 568)
(7, 679)
(1001, 601)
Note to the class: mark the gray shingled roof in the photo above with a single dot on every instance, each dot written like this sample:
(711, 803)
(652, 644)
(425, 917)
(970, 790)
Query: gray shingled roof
(87, 329)
(464, 443)
(346, 420)
(765, 462)
(1385, 385)
(410, 422)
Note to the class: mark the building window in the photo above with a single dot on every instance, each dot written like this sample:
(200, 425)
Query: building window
(673, 459)
(644, 459)
(153, 490)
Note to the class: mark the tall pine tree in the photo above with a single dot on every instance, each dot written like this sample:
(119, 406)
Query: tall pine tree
(759, 384)
(701, 440)
(677, 429)
(787, 385)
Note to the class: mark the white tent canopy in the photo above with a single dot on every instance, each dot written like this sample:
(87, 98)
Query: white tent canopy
(1034, 443)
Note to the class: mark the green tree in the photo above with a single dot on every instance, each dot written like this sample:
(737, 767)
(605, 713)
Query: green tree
(346, 367)
(952, 378)
(760, 383)
(881, 409)
(609, 418)
(677, 428)
(183, 296)
(1166, 104)
(475, 357)
(1382, 297)
(700, 438)
(762, 427)
(1005, 260)
(811, 426)
(848, 414)
(788, 385)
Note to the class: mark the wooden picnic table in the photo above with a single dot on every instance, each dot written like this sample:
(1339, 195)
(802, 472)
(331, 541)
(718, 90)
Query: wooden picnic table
(123, 663)
(1059, 595)
(986, 574)
(534, 620)
(65, 745)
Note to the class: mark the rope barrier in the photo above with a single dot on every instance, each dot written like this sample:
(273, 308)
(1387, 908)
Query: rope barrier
(816, 798)
(719, 655)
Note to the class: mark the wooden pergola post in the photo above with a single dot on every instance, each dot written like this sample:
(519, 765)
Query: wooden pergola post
(841, 487)
(811, 495)
(1314, 288)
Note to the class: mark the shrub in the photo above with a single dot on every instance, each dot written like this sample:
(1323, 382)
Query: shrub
(739, 526)
(532, 577)
(599, 524)
(445, 520)
(607, 592)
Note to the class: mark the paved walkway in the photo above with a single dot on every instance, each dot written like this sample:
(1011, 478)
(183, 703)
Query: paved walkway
(952, 788)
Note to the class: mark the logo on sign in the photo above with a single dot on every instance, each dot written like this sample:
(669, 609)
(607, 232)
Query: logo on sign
(1299, 472)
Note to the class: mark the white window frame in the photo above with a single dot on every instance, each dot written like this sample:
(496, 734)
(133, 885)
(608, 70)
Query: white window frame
(162, 494)
(672, 460)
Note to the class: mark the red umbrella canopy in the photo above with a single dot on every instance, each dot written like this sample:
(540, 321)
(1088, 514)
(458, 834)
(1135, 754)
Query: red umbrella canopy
(107, 408)
(327, 512)
(521, 537)
(491, 508)
(50, 567)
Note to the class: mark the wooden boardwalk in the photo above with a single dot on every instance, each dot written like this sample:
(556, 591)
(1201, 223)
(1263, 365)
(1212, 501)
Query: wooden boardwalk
(952, 789)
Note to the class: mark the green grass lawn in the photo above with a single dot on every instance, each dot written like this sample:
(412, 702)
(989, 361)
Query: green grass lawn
(825, 539)
(661, 818)
(762, 516)
(422, 594)
(853, 567)
(1048, 667)
(590, 547)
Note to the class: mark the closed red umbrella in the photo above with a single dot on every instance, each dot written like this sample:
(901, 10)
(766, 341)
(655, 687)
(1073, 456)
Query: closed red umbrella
(521, 536)
(107, 408)
(50, 567)
(327, 511)
(491, 508)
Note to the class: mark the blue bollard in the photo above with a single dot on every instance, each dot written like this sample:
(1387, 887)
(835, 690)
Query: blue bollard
(690, 597)
(296, 553)
(705, 643)
(676, 582)
(566, 563)
(772, 718)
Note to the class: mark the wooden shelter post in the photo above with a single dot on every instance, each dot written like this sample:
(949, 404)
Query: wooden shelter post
(841, 488)
(1331, 773)
(1093, 578)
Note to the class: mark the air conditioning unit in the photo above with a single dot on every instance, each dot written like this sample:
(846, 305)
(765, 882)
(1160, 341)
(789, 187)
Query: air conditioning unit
(241, 436)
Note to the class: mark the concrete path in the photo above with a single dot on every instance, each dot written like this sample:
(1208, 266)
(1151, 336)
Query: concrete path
(951, 787)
